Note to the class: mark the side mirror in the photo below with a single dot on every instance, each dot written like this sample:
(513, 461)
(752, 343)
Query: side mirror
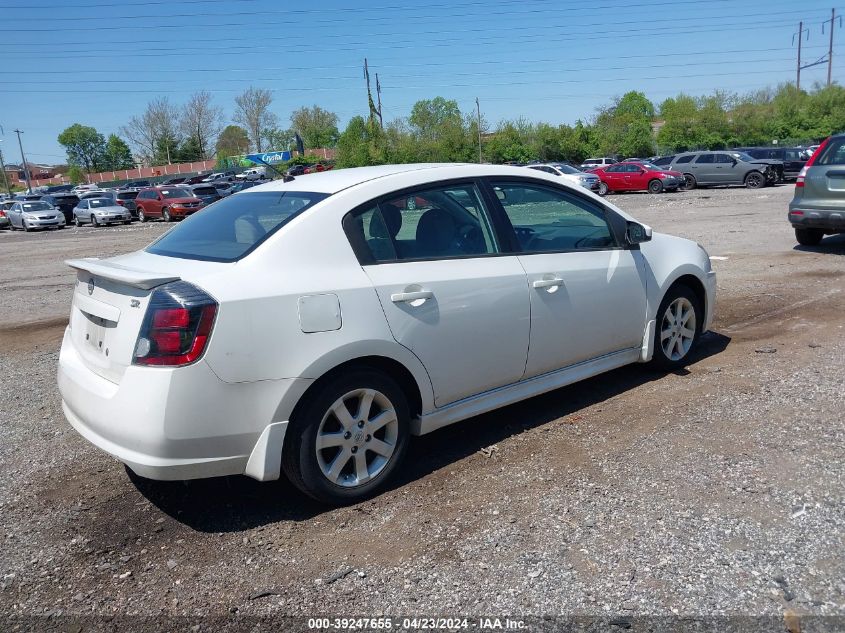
(637, 233)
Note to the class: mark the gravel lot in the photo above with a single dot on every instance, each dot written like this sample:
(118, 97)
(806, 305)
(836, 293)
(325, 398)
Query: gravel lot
(718, 490)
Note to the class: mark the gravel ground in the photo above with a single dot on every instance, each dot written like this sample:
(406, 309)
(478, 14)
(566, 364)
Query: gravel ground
(713, 491)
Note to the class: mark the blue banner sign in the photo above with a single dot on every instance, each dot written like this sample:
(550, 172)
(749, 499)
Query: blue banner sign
(269, 158)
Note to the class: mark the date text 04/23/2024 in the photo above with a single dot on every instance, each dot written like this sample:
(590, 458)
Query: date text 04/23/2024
(415, 624)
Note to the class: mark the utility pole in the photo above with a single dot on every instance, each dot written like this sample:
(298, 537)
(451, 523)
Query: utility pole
(798, 77)
(378, 94)
(478, 118)
(830, 49)
(23, 162)
(5, 177)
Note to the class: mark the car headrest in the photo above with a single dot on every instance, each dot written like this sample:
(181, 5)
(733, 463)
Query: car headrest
(386, 225)
(435, 232)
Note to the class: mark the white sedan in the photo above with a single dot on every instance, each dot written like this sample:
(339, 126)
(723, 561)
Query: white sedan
(310, 327)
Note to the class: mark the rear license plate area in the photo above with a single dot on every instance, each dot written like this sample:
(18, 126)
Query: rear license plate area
(95, 333)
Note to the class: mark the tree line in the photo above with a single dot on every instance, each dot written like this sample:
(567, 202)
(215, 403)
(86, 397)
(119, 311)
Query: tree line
(437, 131)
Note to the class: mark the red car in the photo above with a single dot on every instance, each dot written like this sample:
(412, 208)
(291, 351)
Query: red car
(167, 203)
(637, 176)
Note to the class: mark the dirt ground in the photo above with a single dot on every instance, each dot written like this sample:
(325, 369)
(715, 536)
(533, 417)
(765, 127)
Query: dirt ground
(714, 491)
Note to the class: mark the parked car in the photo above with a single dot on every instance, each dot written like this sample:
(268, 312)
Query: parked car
(638, 177)
(99, 212)
(126, 198)
(4, 218)
(818, 206)
(195, 180)
(135, 184)
(36, 214)
(792, 158)
(723, 168)
(167, 203)
(297, 170)
(311, 327)
(592, 163)
(239, 186)
(207, 193)
(81, 189)
(220, 176)
(178, 180)
(255, 173)
(100, 193)
(570, 174)
(64, 202)
(58, 189)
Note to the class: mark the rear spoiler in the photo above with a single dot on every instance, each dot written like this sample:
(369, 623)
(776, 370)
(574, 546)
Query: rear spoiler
(116, 272)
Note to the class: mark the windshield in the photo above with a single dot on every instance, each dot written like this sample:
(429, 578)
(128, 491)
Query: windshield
(175, 193)
(567, 169)
(743, 156)
(28, 207)
(231, 228)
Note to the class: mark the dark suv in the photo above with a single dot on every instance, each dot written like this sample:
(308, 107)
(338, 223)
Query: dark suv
(64, 201)
(792, 158)
(818, 207)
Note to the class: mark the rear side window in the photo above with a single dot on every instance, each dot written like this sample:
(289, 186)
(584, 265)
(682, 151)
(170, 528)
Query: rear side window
(684, 159)
(704, 159)
(231, 228)
(448, 221)
(833, 154)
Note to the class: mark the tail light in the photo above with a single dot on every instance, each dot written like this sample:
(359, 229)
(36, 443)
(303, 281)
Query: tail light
(2, 214)
(176, 327)
(799, 181)
(121, 202)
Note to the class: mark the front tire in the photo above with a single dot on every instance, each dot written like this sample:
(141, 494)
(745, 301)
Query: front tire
(689, 182)
(346, 440)
(603, 189)
(94, 222)
(24, 226)
(655, 186)
(809, 237)
(165, 214)
(141, 217)
(755, 180)
(678, 327)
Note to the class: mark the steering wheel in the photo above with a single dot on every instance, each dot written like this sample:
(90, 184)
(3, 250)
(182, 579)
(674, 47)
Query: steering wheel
(470, 239)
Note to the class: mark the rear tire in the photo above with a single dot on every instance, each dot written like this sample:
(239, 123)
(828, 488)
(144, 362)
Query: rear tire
(755, 180)
(809, 237)
(677, 328)
(655, 186)
(347, 468)
(689, 182)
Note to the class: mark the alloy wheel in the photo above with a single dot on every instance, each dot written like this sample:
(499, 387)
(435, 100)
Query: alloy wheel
(677, 329)
(357, 437)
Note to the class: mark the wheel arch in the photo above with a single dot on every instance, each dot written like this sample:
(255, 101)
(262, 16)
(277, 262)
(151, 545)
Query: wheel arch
(693, 283)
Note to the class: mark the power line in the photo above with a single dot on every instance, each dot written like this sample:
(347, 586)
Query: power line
(497, 73)
(432, 43)
(555, 60)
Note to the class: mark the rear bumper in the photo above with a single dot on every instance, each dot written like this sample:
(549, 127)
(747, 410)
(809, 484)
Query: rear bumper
(181, 423)
(832, 220)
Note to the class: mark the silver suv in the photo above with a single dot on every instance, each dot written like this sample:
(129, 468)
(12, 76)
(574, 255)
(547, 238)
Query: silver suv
(818, 208)
(723, 168)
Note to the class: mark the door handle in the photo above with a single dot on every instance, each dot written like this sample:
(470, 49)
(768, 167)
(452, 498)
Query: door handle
(547, 283)
(408, 297)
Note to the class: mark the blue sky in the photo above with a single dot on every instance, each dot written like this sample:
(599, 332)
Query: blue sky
(98, 62)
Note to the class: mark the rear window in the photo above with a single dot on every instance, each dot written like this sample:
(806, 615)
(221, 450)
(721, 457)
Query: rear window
(231, 228)
(128, 195)
(833, 154)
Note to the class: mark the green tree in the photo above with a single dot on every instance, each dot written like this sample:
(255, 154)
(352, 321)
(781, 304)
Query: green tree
(117, 154)
(317, 127)
(362, 143)
(233, 141)
(510, 142)
(76, 175)
(189, 150)
(85, 146)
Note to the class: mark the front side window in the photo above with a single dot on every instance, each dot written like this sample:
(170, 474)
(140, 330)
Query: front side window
(233, 227)
(431, 223)
(724, 158)
(548, 220)
(684, 159)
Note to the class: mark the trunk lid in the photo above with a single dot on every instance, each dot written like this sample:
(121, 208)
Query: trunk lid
(110, 300)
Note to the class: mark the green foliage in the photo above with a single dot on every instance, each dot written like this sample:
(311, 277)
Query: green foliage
(84, 145)
(624, 128)
(317, 127)
(117, 155)
(188, 151)
(76, 175)
(233, 141)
